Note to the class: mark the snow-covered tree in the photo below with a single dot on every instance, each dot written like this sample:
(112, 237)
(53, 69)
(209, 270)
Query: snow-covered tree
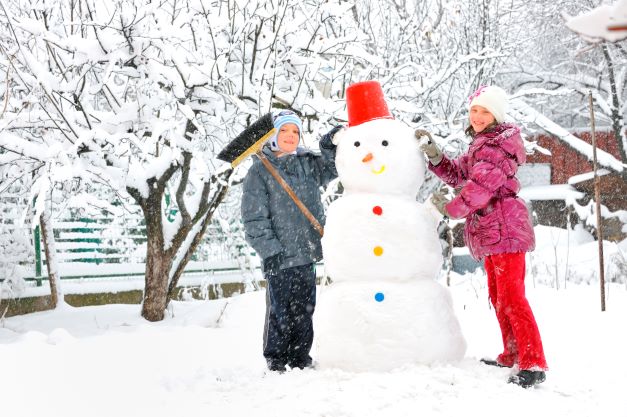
(430, 55)
(112, 93)
(125, 103)
(555, 70)
(140, 96)
(15, 245)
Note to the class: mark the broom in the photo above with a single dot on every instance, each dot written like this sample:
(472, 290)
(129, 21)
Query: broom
(250, 142)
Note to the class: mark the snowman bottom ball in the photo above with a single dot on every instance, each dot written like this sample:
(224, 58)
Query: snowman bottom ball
(381, 326)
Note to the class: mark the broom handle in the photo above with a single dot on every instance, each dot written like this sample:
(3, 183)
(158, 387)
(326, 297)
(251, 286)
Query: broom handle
(316, 224)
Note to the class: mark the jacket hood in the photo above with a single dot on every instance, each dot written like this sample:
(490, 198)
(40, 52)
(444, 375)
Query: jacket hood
(506, 136)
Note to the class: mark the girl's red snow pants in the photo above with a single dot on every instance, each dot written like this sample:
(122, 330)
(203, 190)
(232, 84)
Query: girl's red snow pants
(506, 287)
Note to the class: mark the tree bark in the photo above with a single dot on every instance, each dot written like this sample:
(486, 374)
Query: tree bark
(158, 261)
(46, 236)
(158, 266)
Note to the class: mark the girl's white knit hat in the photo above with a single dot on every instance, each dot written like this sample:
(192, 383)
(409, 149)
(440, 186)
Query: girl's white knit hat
(492, 98)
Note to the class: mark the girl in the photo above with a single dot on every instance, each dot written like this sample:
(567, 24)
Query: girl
(285, 239)
(498, 226)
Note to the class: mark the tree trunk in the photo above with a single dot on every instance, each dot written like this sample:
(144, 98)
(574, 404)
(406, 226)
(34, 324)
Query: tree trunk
(158, 262)
(53, 276)
(158, 266)
(215, 202)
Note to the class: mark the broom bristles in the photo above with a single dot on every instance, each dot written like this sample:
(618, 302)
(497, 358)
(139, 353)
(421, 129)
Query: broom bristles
(248, 142)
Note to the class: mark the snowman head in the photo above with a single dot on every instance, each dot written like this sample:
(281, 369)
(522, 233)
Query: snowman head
(377, 154)
(380, 156)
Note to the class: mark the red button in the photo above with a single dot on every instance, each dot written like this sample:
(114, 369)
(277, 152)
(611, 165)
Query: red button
(377, 210)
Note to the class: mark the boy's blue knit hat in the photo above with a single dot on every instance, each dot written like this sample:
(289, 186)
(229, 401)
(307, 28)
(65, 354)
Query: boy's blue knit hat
(282, 118)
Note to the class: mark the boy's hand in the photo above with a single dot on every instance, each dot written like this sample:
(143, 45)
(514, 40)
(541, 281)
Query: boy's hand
(272, 264)
(331, 138)
(337, 133)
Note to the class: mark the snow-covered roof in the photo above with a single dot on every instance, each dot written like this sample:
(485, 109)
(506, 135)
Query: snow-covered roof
(522, 112)
(606, 22)
(550, 192)
(576, 179)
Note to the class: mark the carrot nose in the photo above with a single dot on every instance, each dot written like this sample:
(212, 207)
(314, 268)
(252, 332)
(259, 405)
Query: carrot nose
(367, 158)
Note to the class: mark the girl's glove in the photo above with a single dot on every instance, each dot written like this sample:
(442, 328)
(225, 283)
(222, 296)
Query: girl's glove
(440, 201)
(428, 146)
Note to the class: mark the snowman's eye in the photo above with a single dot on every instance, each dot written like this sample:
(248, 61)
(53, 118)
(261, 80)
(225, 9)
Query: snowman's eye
(357, 144)
(385, 143)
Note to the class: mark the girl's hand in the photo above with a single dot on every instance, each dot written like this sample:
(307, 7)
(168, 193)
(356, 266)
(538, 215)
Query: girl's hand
(421, 133)
(440, 201)
(428, 146)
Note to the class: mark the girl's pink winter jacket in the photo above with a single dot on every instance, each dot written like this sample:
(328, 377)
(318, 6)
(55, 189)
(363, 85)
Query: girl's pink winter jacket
(497, 221)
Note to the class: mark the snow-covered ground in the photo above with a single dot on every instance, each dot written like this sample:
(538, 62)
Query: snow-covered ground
(205, 359)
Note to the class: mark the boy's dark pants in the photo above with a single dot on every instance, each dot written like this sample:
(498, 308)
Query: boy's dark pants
(290, 303)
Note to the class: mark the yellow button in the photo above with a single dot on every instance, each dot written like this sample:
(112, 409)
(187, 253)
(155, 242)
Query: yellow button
(378, 251)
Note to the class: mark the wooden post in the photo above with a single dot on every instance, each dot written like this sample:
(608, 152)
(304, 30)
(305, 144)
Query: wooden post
(37, 241)
(449, 253)
(597, 198)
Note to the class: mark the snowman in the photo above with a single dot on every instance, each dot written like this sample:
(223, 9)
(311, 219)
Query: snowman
(384, 308)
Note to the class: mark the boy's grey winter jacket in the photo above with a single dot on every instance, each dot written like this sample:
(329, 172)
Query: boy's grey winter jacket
(273, 224)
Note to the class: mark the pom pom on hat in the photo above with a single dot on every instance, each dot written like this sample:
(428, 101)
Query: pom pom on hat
(492, 98)
(282, 118)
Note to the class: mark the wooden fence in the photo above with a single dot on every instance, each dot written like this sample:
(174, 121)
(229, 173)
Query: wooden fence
(103, 248)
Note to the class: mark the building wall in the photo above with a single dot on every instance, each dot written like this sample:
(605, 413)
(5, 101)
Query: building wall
(565, 161)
